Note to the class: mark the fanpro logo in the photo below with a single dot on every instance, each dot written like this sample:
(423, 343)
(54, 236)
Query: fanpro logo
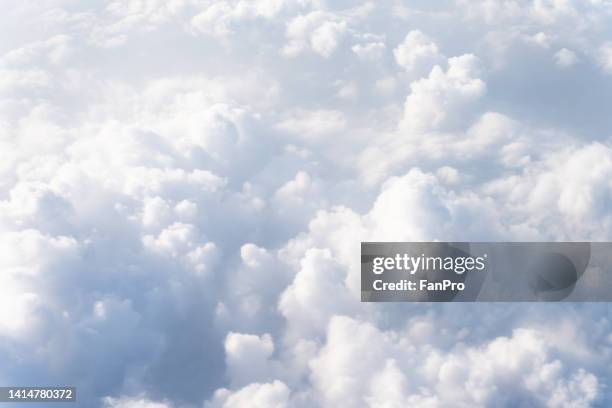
(413, 264)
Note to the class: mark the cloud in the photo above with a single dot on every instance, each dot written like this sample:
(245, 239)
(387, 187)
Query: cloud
(540, 39)
(577, 193)
(416, 50)
(184, 186)
(313, 125)
(126, 402)
(549, 12)
(27, 256)
(319, 282)
(565, 58)
(247, 357)
(605, 57)
(273, 395)
(319, 31)
(434, 101)
(219, 18)
(507, 370)
(371, 50)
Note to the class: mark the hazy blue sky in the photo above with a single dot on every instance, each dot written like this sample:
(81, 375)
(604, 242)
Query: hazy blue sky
(184, 185)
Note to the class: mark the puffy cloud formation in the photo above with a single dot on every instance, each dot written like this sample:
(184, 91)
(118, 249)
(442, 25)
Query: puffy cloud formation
(395, 372)
(269, 395)
(416, 49)
(442, 100)
(184, 186)
(317, 30)
(247, 356)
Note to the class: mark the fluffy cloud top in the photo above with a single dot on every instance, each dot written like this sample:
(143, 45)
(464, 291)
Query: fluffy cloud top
(416, 49)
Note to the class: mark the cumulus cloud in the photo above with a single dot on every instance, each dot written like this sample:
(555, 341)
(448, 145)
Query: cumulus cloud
(442, 100)
(371, 50)
(184, 187)
(219, 18)
(320, 282)
(273, 395)
(317, 31)
(247, 357)
(520, 367)
(27, 255)
(417, 50)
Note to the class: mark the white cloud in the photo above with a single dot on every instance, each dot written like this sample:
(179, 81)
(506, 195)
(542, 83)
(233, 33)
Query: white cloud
(373, 50)
(448, 174)
(19, 80)
(444, 99)
(565, 58)
(53, 51)
(256, 395)
(605, 57)
(493, 11)
(348, 90)
(127, 402)
(313, 125)
(27, 256)
(417, 50)
(247, 357)
(550, 11)
(220, 18)
(319, 31)
(181, 197)
(576, 192)
(320, 282)
(540, 39)
(520, 367)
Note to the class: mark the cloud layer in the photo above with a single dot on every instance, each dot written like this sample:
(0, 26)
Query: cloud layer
(184, 186)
